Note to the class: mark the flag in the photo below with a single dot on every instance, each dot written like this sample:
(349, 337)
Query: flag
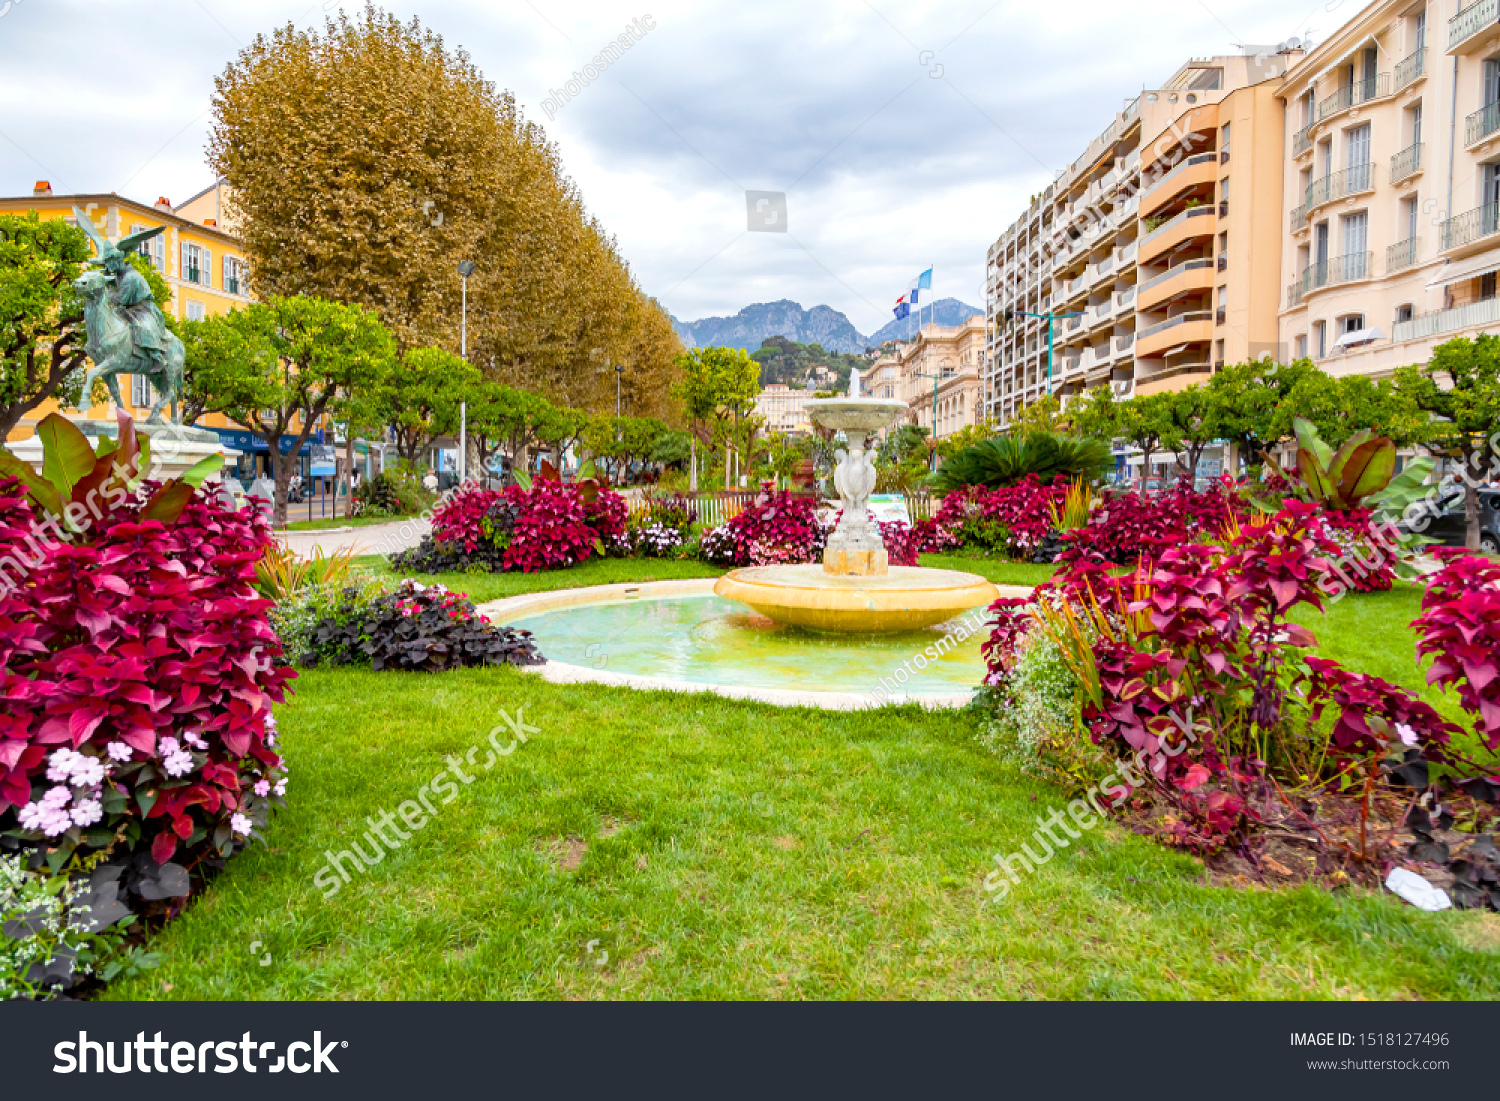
(925, 280)
(902, 309)
(912, 290)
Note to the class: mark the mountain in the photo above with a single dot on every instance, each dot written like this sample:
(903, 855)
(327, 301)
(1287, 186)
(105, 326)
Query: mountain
(747, 329)
(822, 325)
(945, 311)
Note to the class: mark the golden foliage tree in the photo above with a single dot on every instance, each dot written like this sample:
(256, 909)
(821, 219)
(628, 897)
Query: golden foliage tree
(367, 160)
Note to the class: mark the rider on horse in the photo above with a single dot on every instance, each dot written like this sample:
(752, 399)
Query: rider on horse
(132, 294)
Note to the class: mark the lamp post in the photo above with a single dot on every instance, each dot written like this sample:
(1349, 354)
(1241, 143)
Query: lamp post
(1049, 318)
(935, 380)
(465, 269)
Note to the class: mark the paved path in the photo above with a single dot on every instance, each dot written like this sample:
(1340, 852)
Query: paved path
(373, 539)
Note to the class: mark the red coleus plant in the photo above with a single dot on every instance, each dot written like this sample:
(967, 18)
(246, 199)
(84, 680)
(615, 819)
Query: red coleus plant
(902, 544)
(1025, 509)
(1127, 527)
(139, 669)
(776, 528)
(1460, 627)
(545, 524)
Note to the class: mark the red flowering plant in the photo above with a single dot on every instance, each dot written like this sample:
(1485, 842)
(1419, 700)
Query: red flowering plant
(778, 527)
(1127, 526)
(139, 663)
(1460, 628)
(902, 544)
(1190, 673)
(530, 526)
(1009, 520)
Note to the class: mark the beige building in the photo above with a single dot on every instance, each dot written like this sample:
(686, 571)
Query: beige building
(1161, 243)
(1391, 238)
(949, 357)
(784, 409)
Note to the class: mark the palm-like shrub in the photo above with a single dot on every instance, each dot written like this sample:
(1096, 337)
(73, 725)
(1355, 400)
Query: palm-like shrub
(1007, 460)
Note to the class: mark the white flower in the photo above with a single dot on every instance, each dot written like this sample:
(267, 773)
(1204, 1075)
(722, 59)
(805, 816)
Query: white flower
(240, 824)
(88, 772)
(57, 797)
(118, 751)
(50, 816)
(167, 746)
(178, 763)
(193, 739)
(87, 812)
(263, 788)
(60, 765)
(280, 788)
(1407, 735)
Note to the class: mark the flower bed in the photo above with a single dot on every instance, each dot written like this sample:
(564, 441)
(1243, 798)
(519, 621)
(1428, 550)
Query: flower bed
(776, 529)
(1011, 521)
(1203, 715)
(546, 526)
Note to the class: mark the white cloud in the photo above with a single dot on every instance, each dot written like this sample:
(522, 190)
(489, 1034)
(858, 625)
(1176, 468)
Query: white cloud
(886, 168)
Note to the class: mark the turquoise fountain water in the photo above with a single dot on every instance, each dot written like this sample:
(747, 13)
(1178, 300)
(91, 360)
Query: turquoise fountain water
(709, 640)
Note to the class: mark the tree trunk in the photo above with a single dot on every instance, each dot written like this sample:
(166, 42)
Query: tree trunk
(281, 474)
(1473, 470)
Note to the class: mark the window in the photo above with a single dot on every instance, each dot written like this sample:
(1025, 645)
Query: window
(140, 392)
(1301, 345)
(1416, 124)
(1320, 338)
(1403, 313)
(1224, 189)
(235, 271)
(153, 249)
(1421, 30)
(192, 263)
(1487, 285)
(1490, 89)
(195, 311)
(1351, 324)
(1355, 229)
(1412, 207)
(1357, 151)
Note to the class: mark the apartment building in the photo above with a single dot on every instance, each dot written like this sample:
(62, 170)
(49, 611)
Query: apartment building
(784, 408)
(1391, 239)
(1154, 253)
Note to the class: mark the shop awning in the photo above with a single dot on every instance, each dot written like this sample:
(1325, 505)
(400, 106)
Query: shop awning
(1472, 268)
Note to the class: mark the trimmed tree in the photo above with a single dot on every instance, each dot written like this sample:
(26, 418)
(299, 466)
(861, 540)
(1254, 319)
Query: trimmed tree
(1460, 388)
(281, 365)
(420, 398)
(715, 383)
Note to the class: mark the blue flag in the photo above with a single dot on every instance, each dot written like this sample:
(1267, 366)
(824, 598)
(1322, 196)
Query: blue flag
(925, 280)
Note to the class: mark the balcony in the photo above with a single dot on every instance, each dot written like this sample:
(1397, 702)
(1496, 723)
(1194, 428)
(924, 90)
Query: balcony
(1406, 163)
(1191, 275)
(1401, 255)
(1127, 254)
(1474, 225)
(1124, 343)
(1351, 181)
(1125, 297)
(1484, 312)
(1410, 70)
(1469, 23)
(1352, 95)
(1335, 270)
(1299, 217)
(1197, 221)
(1199, 170)
(1482, 123)
(1302, 141)
(1185, 328)
(1293, 294)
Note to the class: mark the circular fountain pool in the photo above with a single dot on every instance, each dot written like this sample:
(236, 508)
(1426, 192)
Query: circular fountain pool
(678, 634)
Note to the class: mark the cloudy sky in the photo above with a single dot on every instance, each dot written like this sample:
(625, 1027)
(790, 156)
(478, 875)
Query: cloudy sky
(903, 134)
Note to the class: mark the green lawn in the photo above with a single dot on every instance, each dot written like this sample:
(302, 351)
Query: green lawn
(336, 521)
(484, 587)
(715, 848)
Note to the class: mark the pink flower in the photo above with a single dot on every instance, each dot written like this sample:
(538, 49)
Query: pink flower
(118, 751)
(240, 824)
(263, 788)
(87, 812)
(179, 763)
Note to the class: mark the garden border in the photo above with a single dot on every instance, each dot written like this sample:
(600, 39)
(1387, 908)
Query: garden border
(510, 608)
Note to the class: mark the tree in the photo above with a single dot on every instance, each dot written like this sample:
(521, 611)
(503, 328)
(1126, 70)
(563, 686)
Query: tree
(1194, 415)
(1096, 414)
(1460, 388)
(1042, 415)
(1146, 422)
(1254, 399)
(42, 339)
(672, 449)
(966, 436)
(1340, 407)
(285, 363)
(621, 440)
(420, 398)
(714, 383)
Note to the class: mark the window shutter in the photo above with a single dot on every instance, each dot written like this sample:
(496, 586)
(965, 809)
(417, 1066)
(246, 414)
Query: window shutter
(182, 262)
(208, 268)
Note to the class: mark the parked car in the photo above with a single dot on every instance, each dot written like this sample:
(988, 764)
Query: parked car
(1450, 526)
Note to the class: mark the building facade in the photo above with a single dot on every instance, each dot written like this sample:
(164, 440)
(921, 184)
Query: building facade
(1155, 251)
(1391, 237)
(948, 358)
(784, 408)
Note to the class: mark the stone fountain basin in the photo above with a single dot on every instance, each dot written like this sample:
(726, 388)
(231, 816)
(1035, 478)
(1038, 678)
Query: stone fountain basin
(907, 598)
(854, 414)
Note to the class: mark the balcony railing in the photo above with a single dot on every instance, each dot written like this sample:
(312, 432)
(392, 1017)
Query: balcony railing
(1180, 319)
(1360, 91)
(1403, 254)
(1406, 163)
(1293, 294)
(1471, 226)
(1124, 343)
(1299, 217)
(1484, 312)
(1186, 265)
(1126, 297)
(1409, 69)
(1106, 264)
(1337, 269)
(1201, 158)
(1351, 181)
(1482, 123)
(1128, 253)
(1190, 212)
(1471, 20)
(1301, 141)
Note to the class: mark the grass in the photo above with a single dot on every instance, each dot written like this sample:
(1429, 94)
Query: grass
(724, 849)
(482, 587)
(339, 522)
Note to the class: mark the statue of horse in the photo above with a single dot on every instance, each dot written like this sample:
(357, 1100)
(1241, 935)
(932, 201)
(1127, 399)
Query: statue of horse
(125, 327)
(111, 345)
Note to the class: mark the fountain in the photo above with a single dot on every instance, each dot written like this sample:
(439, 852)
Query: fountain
(855, 588)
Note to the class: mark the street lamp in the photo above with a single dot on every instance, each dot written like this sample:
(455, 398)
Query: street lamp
(465, 269)
(935, 380)
(619, 373)
(1049, 318)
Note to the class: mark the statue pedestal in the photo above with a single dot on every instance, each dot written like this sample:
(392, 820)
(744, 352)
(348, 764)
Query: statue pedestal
(856, 563)
(174, 448)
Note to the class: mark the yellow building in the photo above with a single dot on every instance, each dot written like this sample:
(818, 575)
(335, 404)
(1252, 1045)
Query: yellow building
(201, 263)
(948, 356)
(784, 408)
